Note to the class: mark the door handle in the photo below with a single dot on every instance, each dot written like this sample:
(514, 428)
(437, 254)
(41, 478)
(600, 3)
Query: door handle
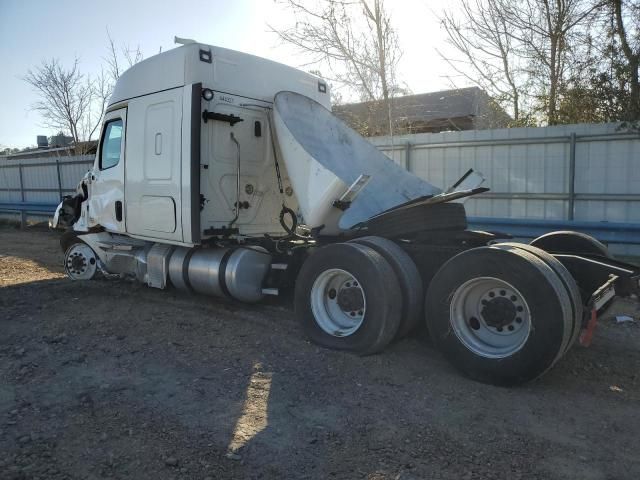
(118, 210)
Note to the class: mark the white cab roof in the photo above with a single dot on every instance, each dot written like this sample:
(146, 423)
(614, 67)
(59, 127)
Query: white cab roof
(227, 71)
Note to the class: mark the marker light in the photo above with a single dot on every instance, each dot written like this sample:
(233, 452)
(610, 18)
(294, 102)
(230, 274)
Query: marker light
(207, 94)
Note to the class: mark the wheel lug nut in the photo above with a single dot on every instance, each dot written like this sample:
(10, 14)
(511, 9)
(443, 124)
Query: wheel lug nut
(503, 293)
(499, 329)
(513, 298)
(332, 293)
(518, 320)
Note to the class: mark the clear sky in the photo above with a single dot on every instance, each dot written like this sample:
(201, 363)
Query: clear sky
(31, 31)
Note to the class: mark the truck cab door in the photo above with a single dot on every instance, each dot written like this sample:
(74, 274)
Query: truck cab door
(106, 196)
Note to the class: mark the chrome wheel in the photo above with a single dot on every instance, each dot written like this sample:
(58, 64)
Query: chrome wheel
(80, 262)
(490, 317)
(338, 302)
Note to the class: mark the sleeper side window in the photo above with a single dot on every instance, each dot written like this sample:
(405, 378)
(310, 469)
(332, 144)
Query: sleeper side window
(111, 142)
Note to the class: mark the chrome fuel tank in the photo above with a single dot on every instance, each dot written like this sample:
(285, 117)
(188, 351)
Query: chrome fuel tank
(224, 272)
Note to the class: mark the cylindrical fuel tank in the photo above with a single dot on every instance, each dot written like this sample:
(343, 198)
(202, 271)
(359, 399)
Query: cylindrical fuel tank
(233, 272)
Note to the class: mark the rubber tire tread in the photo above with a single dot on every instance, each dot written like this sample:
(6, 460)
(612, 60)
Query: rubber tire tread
(381, 289)
(562, 294)
(421, 218)
(547, 301)
(408, 277)
(567, 279)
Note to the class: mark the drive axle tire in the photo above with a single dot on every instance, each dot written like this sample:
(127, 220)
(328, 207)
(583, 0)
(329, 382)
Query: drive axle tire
(566, 278)
(566, 241)
(408, 278)
(501, 316)
(347, 297)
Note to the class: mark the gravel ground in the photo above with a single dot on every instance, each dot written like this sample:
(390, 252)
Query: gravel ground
(111, 379)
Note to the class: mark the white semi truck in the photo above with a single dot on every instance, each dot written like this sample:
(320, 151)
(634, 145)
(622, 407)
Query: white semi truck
(226, 174)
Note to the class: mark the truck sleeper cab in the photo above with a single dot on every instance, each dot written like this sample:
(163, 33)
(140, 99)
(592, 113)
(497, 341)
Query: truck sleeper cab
(226, 174)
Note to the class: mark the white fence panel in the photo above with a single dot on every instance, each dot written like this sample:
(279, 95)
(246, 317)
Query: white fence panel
(40, 180)
(569, 172)
(529, 169)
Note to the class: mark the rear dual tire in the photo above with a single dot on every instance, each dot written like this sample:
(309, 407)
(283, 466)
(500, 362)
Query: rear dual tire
(347, 297)
(567, 280)
(500, 314)
(408, 277)
(503, 314)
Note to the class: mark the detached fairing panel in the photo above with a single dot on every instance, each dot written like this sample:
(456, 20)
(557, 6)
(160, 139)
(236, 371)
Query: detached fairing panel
(324, 157)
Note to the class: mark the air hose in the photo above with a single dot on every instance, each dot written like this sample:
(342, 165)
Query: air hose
(294, 220)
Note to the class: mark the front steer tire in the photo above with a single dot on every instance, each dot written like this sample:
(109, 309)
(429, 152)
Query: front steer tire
(347, 298)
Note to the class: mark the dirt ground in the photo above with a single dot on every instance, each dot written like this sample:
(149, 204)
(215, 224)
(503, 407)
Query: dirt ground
(112, 379)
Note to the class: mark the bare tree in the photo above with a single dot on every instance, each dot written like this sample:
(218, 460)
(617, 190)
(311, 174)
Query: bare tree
(102, 87)
(65, 96)
(354, 40)
(73, 102)
(521, 48)
(627, 29)
(548, 33)
(70, 101)
(483, 38)
(113, 60)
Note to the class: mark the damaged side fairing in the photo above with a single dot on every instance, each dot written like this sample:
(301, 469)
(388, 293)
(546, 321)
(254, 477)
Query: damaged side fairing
(72, 211)
(329, 163)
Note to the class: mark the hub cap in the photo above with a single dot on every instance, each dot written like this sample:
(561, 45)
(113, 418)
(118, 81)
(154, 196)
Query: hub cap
(80, 262)
(490, 317)
(338, 302)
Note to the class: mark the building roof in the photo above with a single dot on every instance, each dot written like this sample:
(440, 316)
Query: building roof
(443, 104)
(84, 148)
(437, 109)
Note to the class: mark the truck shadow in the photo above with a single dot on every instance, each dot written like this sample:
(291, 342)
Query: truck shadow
(148, 376)
(118, 378)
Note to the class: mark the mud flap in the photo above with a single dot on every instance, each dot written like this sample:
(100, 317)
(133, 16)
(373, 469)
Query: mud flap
(598, 300)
